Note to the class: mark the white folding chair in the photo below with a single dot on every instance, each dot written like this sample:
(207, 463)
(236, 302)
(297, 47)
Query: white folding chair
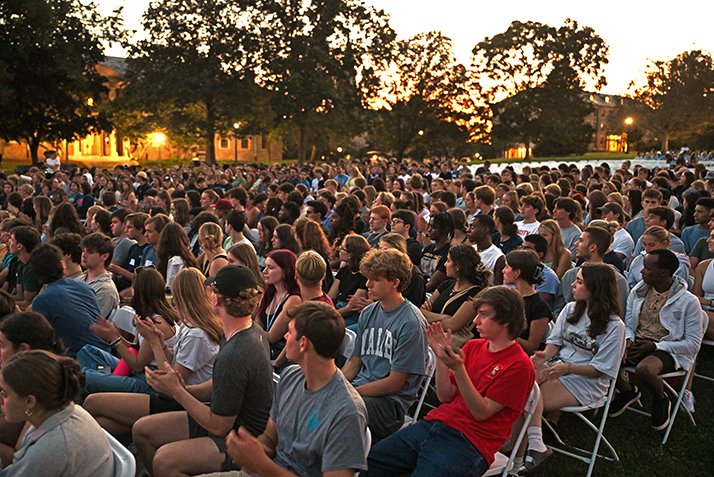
(585, 455)
(348, 344)
(548, 329)
(686, 375)
(708, 378)
(502, 464)
(124, 462)
(430, 368)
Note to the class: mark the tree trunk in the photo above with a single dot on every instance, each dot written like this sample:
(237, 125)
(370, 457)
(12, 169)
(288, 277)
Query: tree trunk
(34, 148)
(665, 142)
(302, 145)
(527, 142)
(210, 134)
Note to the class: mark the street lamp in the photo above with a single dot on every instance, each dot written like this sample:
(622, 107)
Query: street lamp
(159, 139)
(235, 141)
(339, 149)
(628, 122)
(421, 133)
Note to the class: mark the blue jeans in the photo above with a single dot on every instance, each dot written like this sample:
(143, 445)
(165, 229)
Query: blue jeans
(91, 358)
(426, 449)
(351, 320)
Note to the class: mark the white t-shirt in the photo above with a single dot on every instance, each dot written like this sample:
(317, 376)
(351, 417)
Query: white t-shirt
(489, 256)
(525, 230)
(623, 243)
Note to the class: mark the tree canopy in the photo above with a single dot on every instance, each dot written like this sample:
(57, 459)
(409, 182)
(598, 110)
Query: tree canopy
(423, 99)
(522, 68)
(49, 86)
(194, 73)
(679, 94)
(321, 50)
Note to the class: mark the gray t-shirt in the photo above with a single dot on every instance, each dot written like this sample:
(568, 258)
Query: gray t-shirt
(604, 353)
(194, 350)
(107, 295)
(700, 250)
(121, 250)
(318, 431)
(243, 380)
(70, 442)
(394, 340)
(570, 237)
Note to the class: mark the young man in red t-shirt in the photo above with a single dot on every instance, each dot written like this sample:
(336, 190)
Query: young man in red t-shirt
(483, 389)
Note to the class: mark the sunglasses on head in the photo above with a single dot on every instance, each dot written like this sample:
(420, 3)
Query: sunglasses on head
(144, 267)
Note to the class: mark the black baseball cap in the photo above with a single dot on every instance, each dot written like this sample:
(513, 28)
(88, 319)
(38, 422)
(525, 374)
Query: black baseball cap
(232, 279)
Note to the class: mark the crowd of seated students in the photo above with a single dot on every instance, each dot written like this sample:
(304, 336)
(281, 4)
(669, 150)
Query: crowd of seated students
(183, 293)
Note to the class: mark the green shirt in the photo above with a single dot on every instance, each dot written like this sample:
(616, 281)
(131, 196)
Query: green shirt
(26, 279)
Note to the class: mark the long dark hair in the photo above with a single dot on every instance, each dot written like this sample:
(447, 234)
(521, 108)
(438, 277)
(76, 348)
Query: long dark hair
(312, 237)
(506, 217)
(268, 223)
(286, 234)
(174, 242)
(346, 213)
(600, 281)
(284, 259)
(635, 197)
(469, 265)
(181, 207)
(149, 297)
(65, 215)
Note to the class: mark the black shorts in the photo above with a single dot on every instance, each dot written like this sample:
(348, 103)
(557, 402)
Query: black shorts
(158, 403)
(195, 430)
(668, 363)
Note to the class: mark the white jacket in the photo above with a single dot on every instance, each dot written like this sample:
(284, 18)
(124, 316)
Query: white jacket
(681, 315)
(635, 274)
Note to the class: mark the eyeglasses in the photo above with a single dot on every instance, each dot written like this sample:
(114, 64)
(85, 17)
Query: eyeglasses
(343, 249)
(396, 221)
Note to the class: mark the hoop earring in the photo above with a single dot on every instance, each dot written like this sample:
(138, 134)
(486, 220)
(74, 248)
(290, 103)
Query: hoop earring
(28, 413)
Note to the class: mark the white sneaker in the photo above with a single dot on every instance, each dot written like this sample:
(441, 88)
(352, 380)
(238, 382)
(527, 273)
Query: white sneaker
(688, 400)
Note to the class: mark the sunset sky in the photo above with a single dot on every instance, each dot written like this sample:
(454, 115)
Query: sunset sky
(635, 31)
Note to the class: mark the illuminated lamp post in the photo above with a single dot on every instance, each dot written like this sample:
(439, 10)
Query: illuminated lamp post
(628, 123)
(160, 139)
(235, 141)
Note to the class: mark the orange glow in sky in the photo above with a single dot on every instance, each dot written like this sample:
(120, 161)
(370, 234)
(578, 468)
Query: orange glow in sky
(634, 31)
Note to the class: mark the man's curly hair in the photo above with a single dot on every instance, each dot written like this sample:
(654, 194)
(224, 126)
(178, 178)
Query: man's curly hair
(387, 263)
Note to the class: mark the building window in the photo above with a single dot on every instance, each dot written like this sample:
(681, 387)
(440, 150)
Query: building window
(244, 143)
(263, 141)
(225, 143)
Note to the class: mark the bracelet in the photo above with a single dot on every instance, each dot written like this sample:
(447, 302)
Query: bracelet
(115, 342)
(711, 303)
